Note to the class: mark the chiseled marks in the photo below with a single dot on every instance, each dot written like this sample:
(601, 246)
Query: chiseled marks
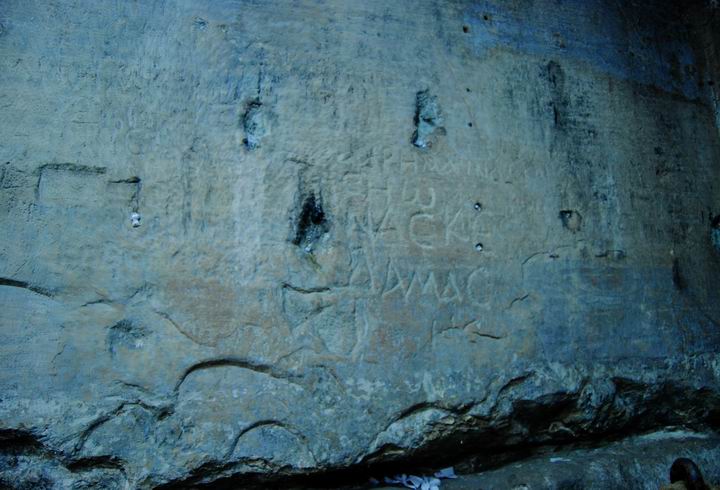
(416, 215)
(393, 279)
(409, 162)
(62, 183)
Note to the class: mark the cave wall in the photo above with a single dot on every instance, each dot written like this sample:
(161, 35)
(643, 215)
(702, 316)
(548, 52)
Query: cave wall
(285, 237)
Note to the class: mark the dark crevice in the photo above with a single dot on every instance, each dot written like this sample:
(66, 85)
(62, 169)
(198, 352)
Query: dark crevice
(130, 180)
(715, 232)
(359, 476)
(73, 167)
(95, 462)
(415, 409)
(515, 382)
(715, 222)
(252, 124)
(555, 421)
(4, 281)
(611, 254)
(474, 443)
(301, 290)
(678, 278)
(489, 335)
(312, 223)
(17, 442)
(555, 76)
(240, 363)
(686, 471)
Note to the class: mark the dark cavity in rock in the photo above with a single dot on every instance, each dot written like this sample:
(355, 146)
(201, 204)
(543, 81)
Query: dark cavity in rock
(559, 101)
(685, 470)
(428, 120)
(124, 333)
(571, 220)
(677, 277)
(715, 232)
(252, 125)
(312, 223)
(6, 281)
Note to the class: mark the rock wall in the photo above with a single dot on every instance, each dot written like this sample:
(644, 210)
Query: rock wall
(259, 239)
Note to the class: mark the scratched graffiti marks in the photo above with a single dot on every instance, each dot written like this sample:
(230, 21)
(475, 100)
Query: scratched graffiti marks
(408, 214)
(404, 280)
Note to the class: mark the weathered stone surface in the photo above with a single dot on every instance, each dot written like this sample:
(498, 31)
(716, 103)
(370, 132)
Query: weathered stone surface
(309, 288)
(638, 463)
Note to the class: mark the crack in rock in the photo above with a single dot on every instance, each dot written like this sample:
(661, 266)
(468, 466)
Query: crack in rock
(266, 369)
(5, 281)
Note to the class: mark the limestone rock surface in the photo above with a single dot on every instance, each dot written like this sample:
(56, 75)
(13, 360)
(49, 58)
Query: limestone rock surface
(269, 238)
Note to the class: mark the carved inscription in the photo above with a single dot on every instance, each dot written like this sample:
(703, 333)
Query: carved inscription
(392, 280)
(394, 161)
(411, 214)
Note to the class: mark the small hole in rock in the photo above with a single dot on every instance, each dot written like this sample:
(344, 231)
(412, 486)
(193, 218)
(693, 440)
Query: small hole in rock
(467, 90)
(485, 17)
(311, 223)
(469, 125)
(479, 247)
(711, 83)
(466, 29)
(571, 219)
(477, 206)
(677, 277)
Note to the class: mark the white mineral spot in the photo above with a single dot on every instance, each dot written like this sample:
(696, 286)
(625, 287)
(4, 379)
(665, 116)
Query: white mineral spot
(135, 219)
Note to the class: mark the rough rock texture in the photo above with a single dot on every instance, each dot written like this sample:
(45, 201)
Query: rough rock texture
(639, 463)
(308, 290)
